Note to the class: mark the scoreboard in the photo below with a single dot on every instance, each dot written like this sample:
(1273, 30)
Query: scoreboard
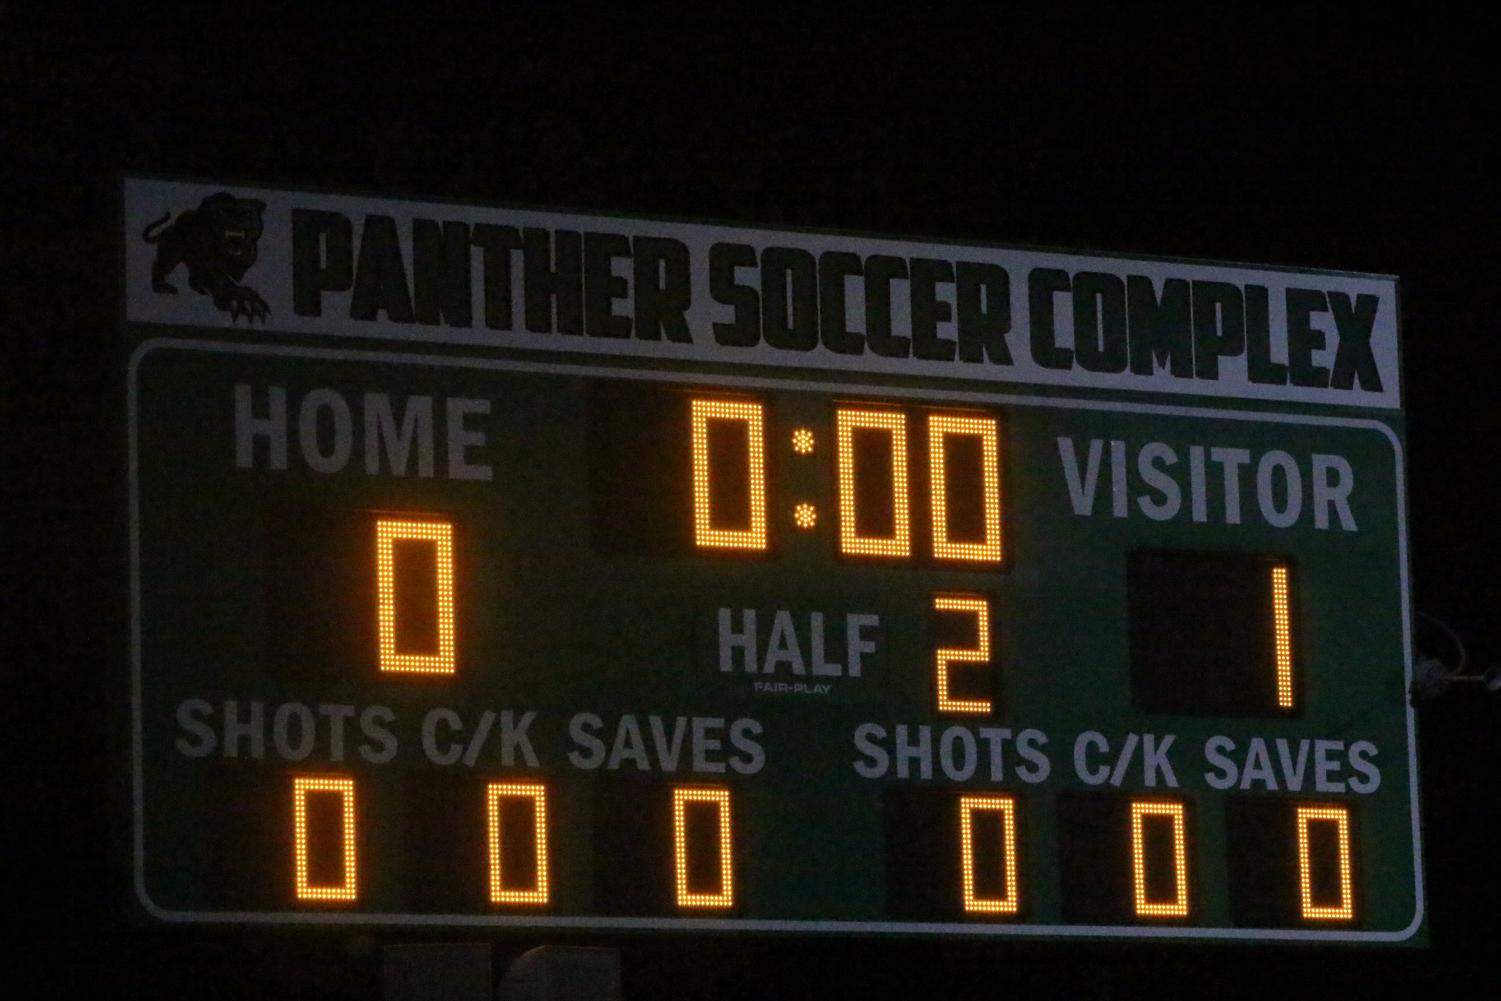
(515, 568)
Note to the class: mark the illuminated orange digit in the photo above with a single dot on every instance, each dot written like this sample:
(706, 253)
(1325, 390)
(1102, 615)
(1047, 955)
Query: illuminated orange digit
(495, 792)
(979, 654)
(941, 427)
(387, 533)
(706, 533)
(851, 542)
(686, 895)
(1344, 908)
(1282, 636)
(1173, 813)
(1005, 806)
(304, 786)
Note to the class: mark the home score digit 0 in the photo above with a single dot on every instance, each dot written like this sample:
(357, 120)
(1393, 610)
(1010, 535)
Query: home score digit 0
(526, 569)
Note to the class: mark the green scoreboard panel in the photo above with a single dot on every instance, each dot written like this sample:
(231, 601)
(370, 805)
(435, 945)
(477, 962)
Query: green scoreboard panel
(503, 568)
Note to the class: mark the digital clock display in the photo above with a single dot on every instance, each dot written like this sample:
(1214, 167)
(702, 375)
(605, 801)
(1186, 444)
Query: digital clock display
(911, 486)
(491, 639)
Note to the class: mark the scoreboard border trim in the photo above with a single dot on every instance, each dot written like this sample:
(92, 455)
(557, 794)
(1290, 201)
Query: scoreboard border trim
(688, 925)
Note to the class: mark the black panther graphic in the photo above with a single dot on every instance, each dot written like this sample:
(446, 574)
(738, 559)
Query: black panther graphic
(217, 241)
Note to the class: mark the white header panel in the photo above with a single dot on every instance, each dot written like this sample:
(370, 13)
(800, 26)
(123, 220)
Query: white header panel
(212, 255)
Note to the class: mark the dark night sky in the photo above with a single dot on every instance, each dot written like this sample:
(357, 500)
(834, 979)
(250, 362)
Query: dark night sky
(1330, 143)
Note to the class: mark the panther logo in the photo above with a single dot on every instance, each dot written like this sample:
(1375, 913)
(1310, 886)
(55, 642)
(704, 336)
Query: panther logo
(217, 242)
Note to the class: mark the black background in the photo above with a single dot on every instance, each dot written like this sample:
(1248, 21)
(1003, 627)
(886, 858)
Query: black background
(1356, 143)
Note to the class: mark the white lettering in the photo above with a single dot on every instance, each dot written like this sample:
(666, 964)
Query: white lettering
(281, 726)
(450, 721)
(415, 431)
(462, 438)
(272, 427)
(821, 667)
(1029, 745)
(1326, 765)
(1333, 479)
(1081, 487)
(742, 737)
(375, 723)
(1231, 459)
(857, 642)
(589, 750)
(730, 640)
(1149, 461)
(875, 762)
(782, 648)
(1083, 744)
(1226, 773)
(957, 754)
(918, 752)
(1270, 463)
(309, 418)
(252, 729)
(191, 714)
